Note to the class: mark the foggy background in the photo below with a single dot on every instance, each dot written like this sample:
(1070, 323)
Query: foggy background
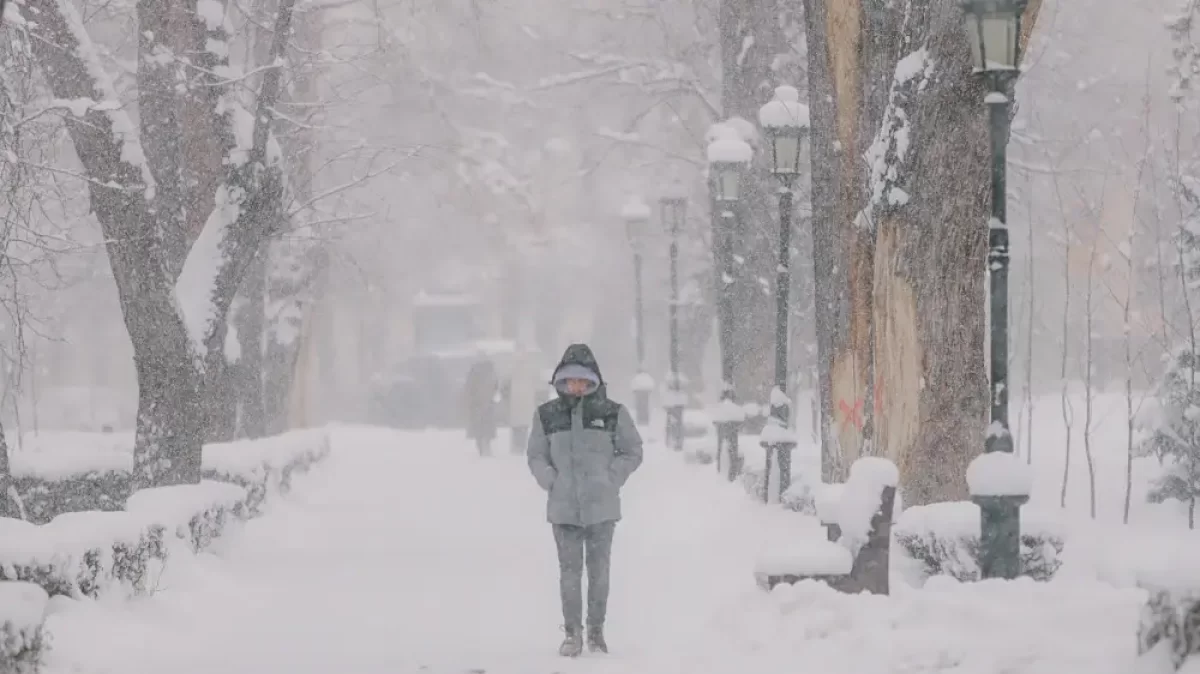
(487, 147)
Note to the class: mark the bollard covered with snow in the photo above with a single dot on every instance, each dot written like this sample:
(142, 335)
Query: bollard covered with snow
(999, 474)
(22, 611)
(999, 484)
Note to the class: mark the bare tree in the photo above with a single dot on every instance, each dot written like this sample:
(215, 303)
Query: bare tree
(1089, 370)
(1068, 410)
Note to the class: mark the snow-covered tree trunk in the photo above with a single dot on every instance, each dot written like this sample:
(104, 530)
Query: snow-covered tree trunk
(899, 221)
(760, 49)
(176, 325)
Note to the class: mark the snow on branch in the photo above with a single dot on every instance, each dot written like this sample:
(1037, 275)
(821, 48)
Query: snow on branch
(106, 139)
(246, 211)
(654, 76)
(888, 154)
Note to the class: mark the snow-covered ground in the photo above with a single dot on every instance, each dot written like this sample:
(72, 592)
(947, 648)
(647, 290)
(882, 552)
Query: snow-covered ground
(407, 553)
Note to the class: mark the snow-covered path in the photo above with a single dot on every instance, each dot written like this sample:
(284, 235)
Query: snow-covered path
(407, 553)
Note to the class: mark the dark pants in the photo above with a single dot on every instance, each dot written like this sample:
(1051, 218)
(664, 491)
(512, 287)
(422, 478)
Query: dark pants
(574, 543)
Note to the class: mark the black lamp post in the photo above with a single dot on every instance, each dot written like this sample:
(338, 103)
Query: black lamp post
(673, 208)
(785, 123)
(994, 34)
(636, 215)
(728, 157)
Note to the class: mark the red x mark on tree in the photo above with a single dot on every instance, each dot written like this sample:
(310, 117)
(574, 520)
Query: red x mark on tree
(850, 414)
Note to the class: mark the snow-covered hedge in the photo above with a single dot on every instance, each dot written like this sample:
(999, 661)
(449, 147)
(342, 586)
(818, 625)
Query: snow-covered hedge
(1169, 625)
(82, 553)
(944, 539)
(22, 611)
(81, 478)
(1169, 630)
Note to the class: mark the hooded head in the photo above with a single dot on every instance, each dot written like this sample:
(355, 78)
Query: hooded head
(578, 374)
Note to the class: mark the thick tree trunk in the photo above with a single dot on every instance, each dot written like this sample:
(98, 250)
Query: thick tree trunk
(139, 215)
(841, 79)
(171, 418)
(759, 51)
(900, 239)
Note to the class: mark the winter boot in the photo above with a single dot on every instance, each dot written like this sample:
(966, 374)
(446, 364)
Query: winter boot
(595, 640)
(572, 646)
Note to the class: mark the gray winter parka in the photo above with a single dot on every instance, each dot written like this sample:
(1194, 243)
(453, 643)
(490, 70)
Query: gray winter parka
(582, 450)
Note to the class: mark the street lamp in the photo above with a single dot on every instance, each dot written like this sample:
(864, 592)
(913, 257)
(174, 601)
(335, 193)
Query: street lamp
(728, 157)
(785, 123)
(636, 215)
(994, 34)
(673, 208)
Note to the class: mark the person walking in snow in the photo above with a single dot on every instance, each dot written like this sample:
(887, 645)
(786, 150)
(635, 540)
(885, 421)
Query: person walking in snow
(524, 388)
(480, 393)
(582, 449)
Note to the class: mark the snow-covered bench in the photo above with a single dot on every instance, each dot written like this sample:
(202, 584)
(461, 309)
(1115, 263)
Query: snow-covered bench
(22, 611)
(853, 553)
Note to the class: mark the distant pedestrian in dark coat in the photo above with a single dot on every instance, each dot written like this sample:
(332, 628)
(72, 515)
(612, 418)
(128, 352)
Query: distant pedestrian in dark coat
(479, 394)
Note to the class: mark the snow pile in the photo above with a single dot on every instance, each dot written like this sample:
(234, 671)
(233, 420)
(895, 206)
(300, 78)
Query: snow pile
(862, 497)
(91, 471)
(999, 474)
(196, 513)
(943, 538)
(727, 411)
(642, 382)
(785, 110)
(60, 455)
(1020, 627)
(22, 610)
(828, 502)
(813, 556)
(635, 209)
(796, 545)
(727, 146)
